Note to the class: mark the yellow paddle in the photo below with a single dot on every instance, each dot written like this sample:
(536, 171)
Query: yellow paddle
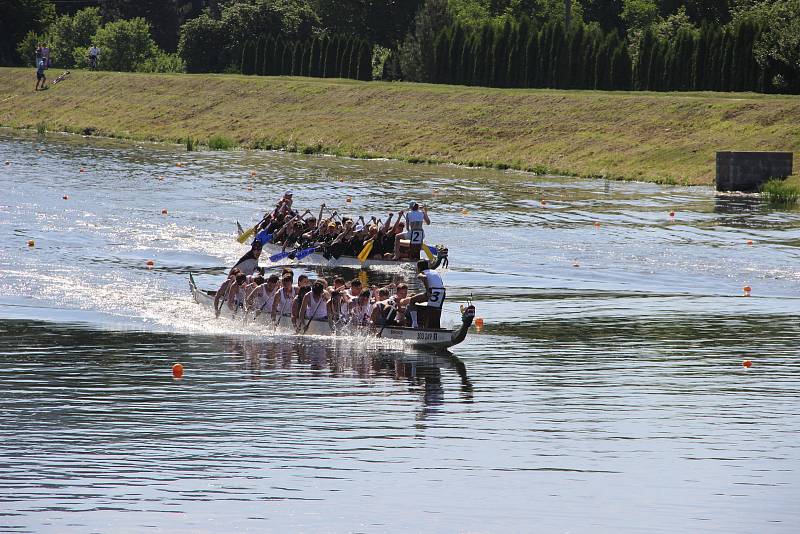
(427, 251)
(365, 252)
(246, 235)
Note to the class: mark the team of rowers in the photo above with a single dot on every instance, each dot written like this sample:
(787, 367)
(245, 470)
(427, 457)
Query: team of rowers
(287, 303)
(248, 288)
(337, 236)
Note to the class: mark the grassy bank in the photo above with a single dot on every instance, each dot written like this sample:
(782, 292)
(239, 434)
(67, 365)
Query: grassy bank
(668, 137)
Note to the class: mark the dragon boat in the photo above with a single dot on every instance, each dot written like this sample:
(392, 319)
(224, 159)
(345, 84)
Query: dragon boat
(431, 338)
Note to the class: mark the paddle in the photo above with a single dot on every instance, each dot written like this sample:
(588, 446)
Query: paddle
(428, 252)
(321, 300)
(244, 236)
(279, 256)
(304, 253)
(297, 254)
(385, 322)
(263, 237)
(366, 251)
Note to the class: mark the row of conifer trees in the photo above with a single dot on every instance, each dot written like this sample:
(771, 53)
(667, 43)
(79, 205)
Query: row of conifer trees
(715, 59)
(523, 54)
(320, 57)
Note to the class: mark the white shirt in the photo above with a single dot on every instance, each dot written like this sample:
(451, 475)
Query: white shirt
(433, 278)
(414, 220)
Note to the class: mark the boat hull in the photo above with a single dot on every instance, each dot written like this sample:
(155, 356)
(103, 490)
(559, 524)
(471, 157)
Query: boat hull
(432, 338)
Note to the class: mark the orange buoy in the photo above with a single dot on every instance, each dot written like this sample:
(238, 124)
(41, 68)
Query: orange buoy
(65, 197)
(31, 242)
(150, 264)
(544, 202)
(750, 242)
(349, 199)
(479, 322)
(177, 371)
(252, 173)
(179, 164)
(164, 211)
(82, 169)
(672, 214)
(747, 364)
(597, 224)
(747, 290)
(464, 211)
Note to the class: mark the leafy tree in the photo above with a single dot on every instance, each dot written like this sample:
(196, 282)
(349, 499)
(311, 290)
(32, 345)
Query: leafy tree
(202, 44)
(385, 23)
(778, 47)
(639, 14)
(125, 44)
(416, 52)
(17, 19)
(165, 16)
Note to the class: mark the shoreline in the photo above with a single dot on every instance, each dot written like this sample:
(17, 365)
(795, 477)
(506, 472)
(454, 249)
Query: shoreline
(667, 138)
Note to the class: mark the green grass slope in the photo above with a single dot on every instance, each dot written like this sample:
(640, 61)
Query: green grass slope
(665, 137)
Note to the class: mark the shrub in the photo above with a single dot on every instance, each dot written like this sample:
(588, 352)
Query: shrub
(27, 47)
(778, 191)
(220, 142)
(125, 45)
(70, 33)
(201, 44)
(163, 62)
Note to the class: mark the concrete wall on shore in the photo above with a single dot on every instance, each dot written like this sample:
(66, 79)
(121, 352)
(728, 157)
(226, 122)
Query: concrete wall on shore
(746, 171)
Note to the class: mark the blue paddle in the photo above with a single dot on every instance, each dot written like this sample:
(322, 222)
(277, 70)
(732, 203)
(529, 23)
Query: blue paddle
(306, 252)
(279, 256)
(263, 237)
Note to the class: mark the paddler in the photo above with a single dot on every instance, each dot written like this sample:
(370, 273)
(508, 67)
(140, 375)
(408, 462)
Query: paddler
(248, 263)
(282, 301)
(222, 293)
(263, 296)
(236, 295)
(414, 231)
(314, 307)
(433, 298)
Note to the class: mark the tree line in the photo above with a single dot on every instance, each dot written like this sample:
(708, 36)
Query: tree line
(524, 54)
(659, 45)
(340, 56)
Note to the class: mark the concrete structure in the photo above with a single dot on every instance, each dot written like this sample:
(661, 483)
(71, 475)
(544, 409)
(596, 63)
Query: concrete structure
(746, 171)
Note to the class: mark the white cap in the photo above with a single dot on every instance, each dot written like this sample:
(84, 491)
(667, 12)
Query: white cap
(288, 193)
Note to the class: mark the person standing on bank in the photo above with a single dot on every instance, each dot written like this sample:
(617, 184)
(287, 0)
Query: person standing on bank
(40, 77)
(46, 56)
(94, 54)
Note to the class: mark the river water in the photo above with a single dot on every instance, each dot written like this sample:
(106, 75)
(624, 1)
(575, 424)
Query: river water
(606, 392)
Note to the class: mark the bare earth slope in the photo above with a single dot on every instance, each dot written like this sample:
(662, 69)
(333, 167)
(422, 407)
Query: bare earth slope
(667, 137)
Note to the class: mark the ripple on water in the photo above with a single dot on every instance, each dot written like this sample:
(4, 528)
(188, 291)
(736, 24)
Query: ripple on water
(599, 398)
